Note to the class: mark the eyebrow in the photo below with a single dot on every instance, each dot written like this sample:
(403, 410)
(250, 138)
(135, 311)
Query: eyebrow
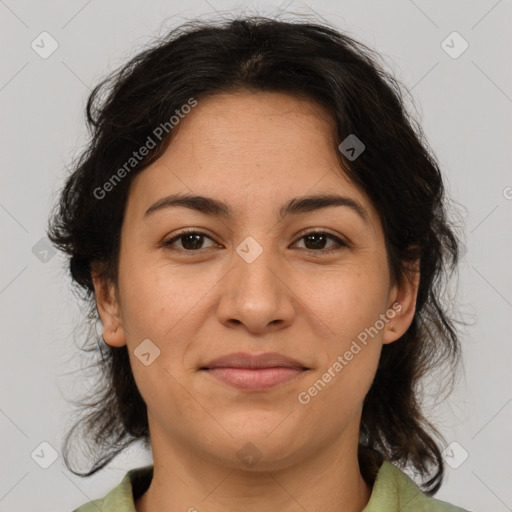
(295, 206)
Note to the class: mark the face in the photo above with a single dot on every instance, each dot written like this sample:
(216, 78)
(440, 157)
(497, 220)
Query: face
(253, 282)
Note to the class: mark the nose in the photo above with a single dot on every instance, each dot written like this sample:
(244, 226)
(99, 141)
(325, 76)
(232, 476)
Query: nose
(255, 293)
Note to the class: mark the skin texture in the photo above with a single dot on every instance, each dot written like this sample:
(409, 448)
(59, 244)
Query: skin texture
(254, 151)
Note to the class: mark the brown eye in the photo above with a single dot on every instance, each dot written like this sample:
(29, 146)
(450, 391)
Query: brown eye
(316, 241)
(190, 240)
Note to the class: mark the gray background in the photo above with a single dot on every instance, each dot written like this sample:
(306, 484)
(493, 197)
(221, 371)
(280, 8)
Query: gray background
(465, 107)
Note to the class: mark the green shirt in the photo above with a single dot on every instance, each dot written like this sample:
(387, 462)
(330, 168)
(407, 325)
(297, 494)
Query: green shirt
(393, 491)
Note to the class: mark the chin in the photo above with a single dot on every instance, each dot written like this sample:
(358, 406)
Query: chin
(261, 447)
(259, 424)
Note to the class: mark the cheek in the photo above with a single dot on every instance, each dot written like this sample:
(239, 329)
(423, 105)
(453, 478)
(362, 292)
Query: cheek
(339, 387)
(156, 297)
(163, 305)
(345, 300)
(349, 301)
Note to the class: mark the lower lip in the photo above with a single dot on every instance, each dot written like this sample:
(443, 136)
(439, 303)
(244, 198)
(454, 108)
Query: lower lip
(251, 379)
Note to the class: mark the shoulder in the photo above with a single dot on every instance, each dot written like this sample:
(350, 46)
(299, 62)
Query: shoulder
(394, 490)
(121, 498)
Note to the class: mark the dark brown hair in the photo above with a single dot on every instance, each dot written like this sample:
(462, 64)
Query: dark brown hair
(397, 171)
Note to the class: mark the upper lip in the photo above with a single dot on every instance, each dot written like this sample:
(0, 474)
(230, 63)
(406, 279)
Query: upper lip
(244, 360)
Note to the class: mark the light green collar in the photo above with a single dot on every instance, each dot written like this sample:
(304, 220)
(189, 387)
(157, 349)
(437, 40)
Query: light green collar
(393, 491)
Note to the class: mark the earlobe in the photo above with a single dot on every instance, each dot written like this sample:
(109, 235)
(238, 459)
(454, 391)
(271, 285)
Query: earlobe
(108, 309)
(402, 307)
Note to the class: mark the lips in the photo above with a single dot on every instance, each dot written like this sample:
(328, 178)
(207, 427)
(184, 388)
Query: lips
(254, 372)
(243, 360)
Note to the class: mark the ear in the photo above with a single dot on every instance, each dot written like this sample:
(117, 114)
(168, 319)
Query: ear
(402, 305)
(109, 311)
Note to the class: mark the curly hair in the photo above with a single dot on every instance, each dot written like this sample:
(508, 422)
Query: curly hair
(397, 171)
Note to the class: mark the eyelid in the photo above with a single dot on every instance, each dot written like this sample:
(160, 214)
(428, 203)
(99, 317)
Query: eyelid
(185, 231)
(323, 231)
(341, 241)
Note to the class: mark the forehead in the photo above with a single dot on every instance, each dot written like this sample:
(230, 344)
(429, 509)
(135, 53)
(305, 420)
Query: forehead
(256, 128)
(247, 148)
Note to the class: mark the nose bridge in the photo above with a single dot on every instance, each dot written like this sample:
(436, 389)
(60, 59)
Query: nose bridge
(254, 294)
(254, 261)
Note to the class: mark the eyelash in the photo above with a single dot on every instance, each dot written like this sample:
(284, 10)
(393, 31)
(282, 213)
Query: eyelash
(168, 243)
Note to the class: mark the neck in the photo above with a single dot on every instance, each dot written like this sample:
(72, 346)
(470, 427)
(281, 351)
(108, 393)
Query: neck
(328, 480)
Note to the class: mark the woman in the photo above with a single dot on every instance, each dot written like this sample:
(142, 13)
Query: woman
(263, 233)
